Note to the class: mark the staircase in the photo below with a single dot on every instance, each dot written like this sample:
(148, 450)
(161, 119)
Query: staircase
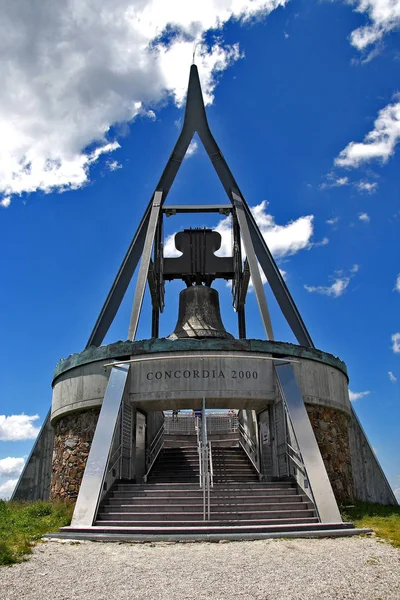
(172, 502)
(178, 507)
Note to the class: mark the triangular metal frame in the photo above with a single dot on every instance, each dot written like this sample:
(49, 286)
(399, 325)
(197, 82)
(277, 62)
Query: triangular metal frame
(195, 121)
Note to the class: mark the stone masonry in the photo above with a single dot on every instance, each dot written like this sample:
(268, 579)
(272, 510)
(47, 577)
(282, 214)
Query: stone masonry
(73, 435)
(331, 428)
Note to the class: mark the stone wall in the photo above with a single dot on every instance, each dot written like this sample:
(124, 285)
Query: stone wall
(73, 435)
(331, 428)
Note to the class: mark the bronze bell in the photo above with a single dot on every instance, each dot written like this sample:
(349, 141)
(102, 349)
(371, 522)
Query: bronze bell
(199, 315)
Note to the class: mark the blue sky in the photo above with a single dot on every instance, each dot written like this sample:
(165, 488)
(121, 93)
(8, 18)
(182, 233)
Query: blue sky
(304, 103)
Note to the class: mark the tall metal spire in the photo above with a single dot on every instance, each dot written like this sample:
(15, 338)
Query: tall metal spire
(195, 121)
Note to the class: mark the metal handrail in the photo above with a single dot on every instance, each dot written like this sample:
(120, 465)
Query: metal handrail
(114, 460)
(298, 464)
(200, 453)
(211, 465)
(156, 437)
(249, 447)
(293, 450)
(117, 452)
(248, 439)
(297, 460)
(154, 451)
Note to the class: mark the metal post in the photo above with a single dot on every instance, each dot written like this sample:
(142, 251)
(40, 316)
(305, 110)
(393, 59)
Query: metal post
(92, 483)
(254, 270)
(144, 266)
(325, 502)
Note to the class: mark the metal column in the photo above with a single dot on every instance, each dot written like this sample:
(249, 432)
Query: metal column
(144, 265)
(325, 501)
(254, 270)
(92, 483)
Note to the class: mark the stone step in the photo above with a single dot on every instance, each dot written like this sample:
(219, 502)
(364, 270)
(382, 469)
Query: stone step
(211, 525)
(195, 479)
(160, 495)
(195, 499)
(216, 507)
(203, 531)
(259, 486)
(249, 515)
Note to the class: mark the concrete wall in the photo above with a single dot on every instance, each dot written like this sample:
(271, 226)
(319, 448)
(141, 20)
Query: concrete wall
(370, 482)
(180, 380)
(79, 389)
(34, 482)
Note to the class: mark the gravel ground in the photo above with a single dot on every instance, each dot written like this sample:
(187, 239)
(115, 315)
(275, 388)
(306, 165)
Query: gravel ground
(364, 568)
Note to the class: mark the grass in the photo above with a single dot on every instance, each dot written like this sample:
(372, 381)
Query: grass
(384, 520)
(23, 523)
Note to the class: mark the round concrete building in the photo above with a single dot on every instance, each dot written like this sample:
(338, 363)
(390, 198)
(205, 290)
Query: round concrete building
(178, 374)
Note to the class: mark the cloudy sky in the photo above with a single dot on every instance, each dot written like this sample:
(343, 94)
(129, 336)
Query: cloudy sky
(304, 100)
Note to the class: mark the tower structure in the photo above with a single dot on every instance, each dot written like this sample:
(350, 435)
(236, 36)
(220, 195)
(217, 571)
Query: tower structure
(296, 426)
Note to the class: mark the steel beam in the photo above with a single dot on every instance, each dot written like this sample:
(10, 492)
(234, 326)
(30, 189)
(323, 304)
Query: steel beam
(277, 283)
(172, 209)
(230, 185)
(144, 265)
(254, 270)
(321, 488)
(95, 471)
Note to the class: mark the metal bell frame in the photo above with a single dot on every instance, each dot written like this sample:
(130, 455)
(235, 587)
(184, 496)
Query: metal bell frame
(147, 242)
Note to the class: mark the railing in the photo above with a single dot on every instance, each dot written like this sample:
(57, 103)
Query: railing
(101, 451)
(210, 460)
(304, 447)
(296, 466)
(114, 465)
(185, 423)
(200, 453)
(154, 450)
(206, 473)
(250, 447)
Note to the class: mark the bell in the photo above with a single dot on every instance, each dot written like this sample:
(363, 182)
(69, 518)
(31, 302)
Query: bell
(199, 315)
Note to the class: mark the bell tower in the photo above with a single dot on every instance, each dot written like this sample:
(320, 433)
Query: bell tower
(286, 422)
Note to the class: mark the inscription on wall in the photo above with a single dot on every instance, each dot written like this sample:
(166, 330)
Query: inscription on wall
(203, 374)
(191, 376)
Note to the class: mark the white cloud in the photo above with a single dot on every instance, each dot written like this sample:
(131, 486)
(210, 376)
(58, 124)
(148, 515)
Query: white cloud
(333, 221)
(338, 182)
(396, 343)
(192, 149)
(364, 217)
(5, 202)
(71, 70)
(392, 377)
(397, 494)
(337, 287)
(282, 240)
(7, 488)
(397, 284)
(11, 467)
(357, 395)
(384, 16)
(366, 186)
(114, 165)
(18, 427)
(379, 143)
